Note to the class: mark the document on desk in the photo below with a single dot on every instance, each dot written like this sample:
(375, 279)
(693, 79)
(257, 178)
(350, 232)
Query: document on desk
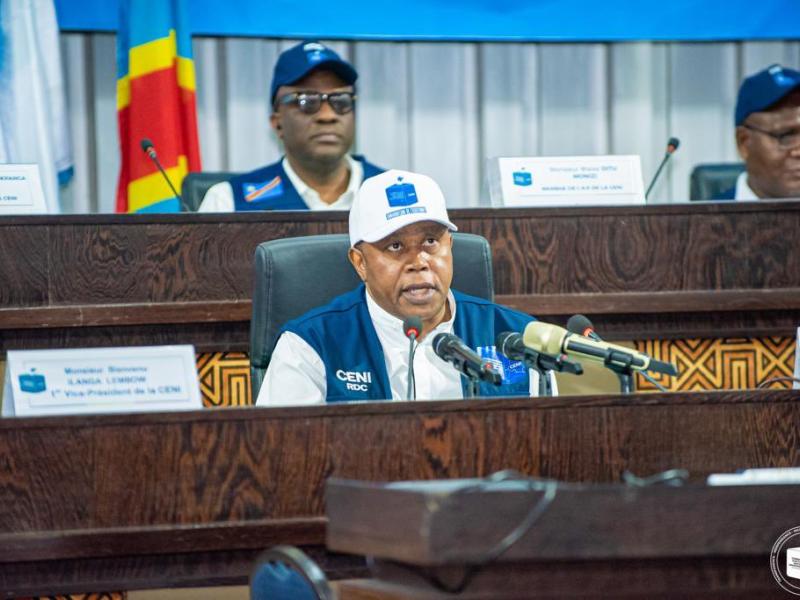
(100, 380)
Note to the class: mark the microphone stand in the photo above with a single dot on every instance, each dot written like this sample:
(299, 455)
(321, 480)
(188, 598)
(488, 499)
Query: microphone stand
(533, 360)
(472, 386)
(620, 363)
(544, 364)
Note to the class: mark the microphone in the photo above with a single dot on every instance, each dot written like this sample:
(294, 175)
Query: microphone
(672, 145)
(149, 149)
(412, 327)
(510, 344)
(581, 325)
(451, 349)
(544, 337)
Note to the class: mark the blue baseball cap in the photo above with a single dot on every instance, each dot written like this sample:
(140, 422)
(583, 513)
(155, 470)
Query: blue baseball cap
(760, 91)
(298, 61)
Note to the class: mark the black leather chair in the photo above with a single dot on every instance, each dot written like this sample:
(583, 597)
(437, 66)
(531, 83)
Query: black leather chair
(195, 186)
(286, 573)
(294, 275)
(708, 181)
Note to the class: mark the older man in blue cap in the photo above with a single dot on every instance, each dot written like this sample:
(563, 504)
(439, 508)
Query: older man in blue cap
(768, 135)
(313, 101)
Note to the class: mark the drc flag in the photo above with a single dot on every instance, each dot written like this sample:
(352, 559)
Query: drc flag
(155, 100)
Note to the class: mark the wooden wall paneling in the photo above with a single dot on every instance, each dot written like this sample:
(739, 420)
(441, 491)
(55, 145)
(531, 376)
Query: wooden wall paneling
(24, 266)
(97, 264)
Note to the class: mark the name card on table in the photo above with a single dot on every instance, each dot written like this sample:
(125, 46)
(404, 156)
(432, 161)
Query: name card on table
(100, 380)
(21, 190)
(565, 181)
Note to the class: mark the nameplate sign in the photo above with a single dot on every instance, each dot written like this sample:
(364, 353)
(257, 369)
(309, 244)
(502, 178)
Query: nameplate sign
(100, 380)
(21, 190)
(566, 181)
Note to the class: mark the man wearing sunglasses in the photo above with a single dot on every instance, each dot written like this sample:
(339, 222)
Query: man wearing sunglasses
(768, 135)
(313, 113)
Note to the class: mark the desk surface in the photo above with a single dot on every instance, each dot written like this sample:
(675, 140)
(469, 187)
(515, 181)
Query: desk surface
(120, 501)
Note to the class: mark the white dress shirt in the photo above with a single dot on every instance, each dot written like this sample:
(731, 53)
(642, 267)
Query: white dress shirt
(296, 373)
(743, 189)
(219, 197)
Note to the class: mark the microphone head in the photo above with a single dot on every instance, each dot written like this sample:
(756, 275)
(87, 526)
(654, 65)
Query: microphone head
(146, 144)
(544, 337)
(440, 344)
(672, 145)
(505, 342)
(581, 325)
(412, 326)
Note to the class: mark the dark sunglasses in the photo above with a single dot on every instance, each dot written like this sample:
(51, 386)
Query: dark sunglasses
(787, 140)
(310, 102)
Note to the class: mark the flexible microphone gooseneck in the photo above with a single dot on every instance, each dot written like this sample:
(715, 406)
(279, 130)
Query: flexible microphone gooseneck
(412, 327)
(672, 145)
(149, 149)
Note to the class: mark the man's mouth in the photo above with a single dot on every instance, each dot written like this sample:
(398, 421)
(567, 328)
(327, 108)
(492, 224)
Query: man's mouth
(327, 137)
(419, 292)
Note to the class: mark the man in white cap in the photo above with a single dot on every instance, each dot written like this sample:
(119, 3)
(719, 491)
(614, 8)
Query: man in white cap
(354, 348)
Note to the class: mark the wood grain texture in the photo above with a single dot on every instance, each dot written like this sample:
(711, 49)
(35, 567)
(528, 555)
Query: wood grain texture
(24, 265)
(693, 579)
(432, 528)
(648, 271)
(253, 464)
(618, 541)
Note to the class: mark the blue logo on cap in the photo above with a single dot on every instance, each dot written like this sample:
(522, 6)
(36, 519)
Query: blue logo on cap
(32, 382)
(315, 52)
(523, 178)
(401, 194)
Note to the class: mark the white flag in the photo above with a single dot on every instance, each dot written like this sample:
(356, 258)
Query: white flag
(33, 115)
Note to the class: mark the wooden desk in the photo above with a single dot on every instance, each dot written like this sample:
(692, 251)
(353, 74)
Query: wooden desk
(159, 500)
(652, 272)
(589, 542)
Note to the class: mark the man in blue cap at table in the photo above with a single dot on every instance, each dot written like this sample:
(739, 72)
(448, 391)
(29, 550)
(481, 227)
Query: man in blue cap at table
(768, 136)
(313, 101)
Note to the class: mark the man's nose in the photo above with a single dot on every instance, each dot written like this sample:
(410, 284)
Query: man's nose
(326, 112)
(420, 261)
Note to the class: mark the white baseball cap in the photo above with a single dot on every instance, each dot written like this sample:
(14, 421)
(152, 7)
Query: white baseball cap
(392, 200)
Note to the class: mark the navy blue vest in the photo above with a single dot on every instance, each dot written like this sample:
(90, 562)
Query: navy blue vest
(343, 335)
(269, 188)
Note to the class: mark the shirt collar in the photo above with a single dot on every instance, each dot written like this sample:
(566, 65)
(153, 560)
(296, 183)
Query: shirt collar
(390, 329)
(743, 189)
(311, 197)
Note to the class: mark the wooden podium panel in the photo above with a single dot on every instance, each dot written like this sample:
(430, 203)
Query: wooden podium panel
(159, 500)
(429, 539)
(676, 271)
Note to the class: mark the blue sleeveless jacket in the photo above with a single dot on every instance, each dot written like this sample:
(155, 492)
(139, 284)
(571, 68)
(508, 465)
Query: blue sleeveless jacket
(269, 188)
(345, 339)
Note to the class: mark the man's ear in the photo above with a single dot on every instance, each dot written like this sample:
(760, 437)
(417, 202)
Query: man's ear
(743, 141)
(359, 262)
(275, 122)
